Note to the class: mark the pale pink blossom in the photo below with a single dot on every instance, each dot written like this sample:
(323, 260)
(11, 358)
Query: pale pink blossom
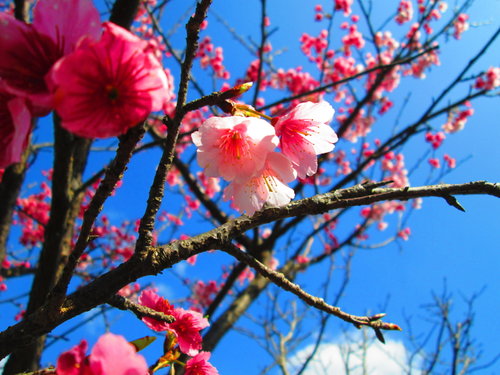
(27, 52)
(111, 355)
(199, 365)
(106, 87)
(267, 187)
(15, 128)
(457, 119)
(234, 147)
(304, 133)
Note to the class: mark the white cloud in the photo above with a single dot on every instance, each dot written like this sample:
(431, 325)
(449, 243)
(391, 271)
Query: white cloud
(358, 353)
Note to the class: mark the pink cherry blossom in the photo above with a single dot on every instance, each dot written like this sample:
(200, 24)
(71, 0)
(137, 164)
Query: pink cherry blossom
(152, 300)
(268, 187)
(186, 326)
(15, 127)
(405, 12)
(199, 365)
(106, 87)
(234, 147)
(344, 5)
(304, 133)
(111, 355)
(71, 361)
(27, 52)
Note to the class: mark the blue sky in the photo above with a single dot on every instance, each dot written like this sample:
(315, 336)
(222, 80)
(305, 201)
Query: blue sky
(446, 246)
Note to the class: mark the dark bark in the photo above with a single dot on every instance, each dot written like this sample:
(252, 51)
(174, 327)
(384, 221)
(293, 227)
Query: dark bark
(70, 154)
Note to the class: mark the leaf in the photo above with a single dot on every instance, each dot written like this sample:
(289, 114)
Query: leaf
(141, 343)
(379, 335)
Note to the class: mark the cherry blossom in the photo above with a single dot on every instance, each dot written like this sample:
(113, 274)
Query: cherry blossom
(104, 88)
(15, 127)
(199, 365)
(234, 147)
(268, 187)
(29, 51)
(304, 133)
(489, 80)
(460, 25)
(405, 12)
(344, 5)
(111, 355)
(186, 326)
(152, 300)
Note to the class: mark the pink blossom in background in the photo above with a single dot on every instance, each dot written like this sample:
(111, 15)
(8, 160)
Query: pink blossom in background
(199, 365)
(111, 355)
(304, 133)
(15, 127)
(66, 21)
(27, 52)
(460, 25)
(344, 5)
(71, 361)
(405, 12)
(106, 87)
(489, 80)
(268, 187)
(234, 147)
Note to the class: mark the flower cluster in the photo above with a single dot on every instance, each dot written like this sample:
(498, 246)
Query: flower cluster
(184, 331)
(186, 326)
(242, 151)
(99, 85)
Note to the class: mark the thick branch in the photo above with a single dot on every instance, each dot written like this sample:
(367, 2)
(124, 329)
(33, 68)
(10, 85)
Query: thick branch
(157, 259)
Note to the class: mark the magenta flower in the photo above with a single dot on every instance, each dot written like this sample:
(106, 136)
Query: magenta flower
(27, 52)
(267, 187)
(106, 87)
(304, 133)
(187, 327)
(187, 324)
(15, 127)
(152, 300)
(111, 355)
(234, 147)
(72, 361)
(199, 365)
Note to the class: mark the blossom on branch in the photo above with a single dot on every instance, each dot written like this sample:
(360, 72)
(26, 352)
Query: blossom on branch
(270, 186)
(234, 147)
(29, 51)
(304, 133)
(186, 326)
(106, 87)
